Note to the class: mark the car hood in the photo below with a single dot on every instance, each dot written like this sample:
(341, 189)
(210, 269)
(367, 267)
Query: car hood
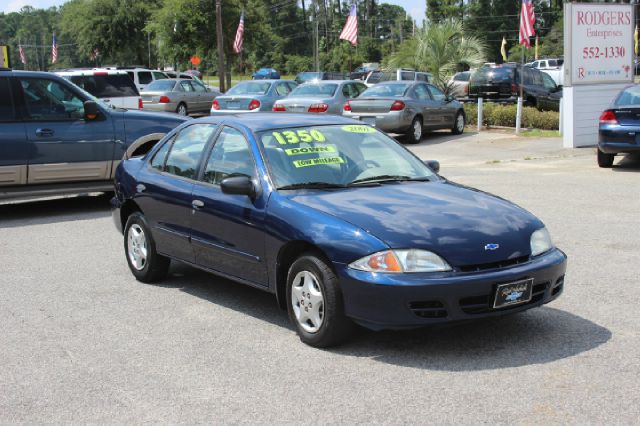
(451, 220)
(164, 118)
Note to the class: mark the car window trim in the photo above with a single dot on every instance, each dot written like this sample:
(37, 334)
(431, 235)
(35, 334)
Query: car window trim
(25, 110)
(209, 149)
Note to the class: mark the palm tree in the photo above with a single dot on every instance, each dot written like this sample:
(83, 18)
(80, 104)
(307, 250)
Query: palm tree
(440, 48)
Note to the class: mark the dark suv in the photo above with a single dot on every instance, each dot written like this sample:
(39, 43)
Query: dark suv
(501, 83)
(57, 139)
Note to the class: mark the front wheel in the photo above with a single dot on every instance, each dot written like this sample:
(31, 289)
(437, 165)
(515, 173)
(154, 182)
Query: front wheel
(415, 131)
(315, 303)
(140, 249)
(458, 124)
(605, 160)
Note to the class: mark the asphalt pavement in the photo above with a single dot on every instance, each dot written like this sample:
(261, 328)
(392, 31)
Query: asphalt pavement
(82, 342)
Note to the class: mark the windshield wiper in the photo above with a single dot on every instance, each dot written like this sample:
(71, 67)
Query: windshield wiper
(312, 185)
(388, 178)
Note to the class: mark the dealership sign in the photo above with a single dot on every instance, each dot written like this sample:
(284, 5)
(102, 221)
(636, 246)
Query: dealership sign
(600, 38)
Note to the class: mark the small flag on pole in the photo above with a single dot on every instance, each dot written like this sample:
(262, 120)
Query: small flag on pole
(54, 50)
(503, 49)
(537, 47)
(237, 43)
(527, 21)
(635, 39)
(350, 30)
(23, 57)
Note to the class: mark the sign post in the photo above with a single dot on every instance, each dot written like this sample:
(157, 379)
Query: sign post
(598, 52)
(5, 59)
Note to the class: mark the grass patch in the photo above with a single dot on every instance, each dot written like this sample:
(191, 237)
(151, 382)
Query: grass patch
(537, 133)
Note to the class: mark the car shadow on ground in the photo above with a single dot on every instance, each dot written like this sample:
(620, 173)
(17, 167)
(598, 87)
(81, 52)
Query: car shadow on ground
(54, 210)
(538, 336)
(629, 163)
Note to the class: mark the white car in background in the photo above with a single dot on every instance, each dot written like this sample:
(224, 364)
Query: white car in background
(113, 87)
(143, 76)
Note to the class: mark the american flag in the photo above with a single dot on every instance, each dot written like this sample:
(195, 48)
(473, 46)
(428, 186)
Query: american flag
(350, 30)
(54, 50)
(23, 57)
(527, 21)
(237, 43)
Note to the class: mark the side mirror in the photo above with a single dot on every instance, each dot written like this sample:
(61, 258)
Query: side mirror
(238, 185)
(91, 110)
(433, 165)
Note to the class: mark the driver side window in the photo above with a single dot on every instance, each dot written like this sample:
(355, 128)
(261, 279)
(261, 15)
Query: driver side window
(48, 100)
(230, 156)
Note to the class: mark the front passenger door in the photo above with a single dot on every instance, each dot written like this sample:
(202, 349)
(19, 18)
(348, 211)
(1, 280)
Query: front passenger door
(446, 112)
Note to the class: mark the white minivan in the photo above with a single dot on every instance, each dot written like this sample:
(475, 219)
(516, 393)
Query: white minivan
(399, 74)
(143, 76)
(113, 87)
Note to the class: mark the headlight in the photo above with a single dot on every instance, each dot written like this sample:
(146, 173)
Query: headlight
(540, 242)
(398, 261)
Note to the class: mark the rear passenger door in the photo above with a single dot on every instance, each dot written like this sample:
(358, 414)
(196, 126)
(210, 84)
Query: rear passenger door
(13, 138)
(62, 145)
(428, 108)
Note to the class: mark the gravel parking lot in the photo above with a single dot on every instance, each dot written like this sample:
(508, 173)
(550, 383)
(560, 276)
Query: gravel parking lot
(81, 341)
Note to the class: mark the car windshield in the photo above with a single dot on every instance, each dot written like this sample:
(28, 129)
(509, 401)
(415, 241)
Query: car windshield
(249, 88)
(498, 74)
(337, 156)
(314, 89)
(160, 86)
(629, 96)
(378, 76)
(387, 90)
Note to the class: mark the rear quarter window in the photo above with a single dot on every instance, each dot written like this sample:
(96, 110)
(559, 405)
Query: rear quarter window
(144, 77)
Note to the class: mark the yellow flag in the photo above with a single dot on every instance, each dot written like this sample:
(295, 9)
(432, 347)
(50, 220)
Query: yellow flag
(503, 49)
(635, 39)
(537, 43)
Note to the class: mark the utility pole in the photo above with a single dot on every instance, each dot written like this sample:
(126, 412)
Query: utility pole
(317, 47)
(220, 45)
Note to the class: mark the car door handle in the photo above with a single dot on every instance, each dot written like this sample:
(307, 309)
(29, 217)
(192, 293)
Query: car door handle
(44, 133)
(197, 204)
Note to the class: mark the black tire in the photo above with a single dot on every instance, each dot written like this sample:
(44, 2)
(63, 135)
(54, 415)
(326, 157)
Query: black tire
(335, 327)
(456, 129)
(155, 267)
(605, 160)
(186, 111)
(411, 136)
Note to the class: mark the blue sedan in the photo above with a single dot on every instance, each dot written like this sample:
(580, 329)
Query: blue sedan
(619, 127)
(342, 223)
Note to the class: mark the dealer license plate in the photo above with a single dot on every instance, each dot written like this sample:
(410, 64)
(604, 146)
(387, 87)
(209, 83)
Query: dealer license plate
(513, 293)
(369, 120)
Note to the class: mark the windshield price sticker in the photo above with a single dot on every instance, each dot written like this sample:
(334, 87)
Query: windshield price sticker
(298, 136)
(318, 162)
(311, 150)
(355, 128)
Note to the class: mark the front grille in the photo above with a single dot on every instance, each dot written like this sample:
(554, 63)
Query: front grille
(428, 309)
(557, 287)
(493, 265)
(484, 304)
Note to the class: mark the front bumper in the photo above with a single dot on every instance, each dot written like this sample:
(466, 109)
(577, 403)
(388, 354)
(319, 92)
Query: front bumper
(394, 301)
(391, 122)
(115, 213)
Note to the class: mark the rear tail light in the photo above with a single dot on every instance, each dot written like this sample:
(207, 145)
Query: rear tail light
(347, 106)
(164, 99)
(100, 73)
(215, 105)
(140, 103)
(318, 108)
(279, 108)
(608, 117)
(515, 89)
(254, 104)
(466, 89)
(397, 106)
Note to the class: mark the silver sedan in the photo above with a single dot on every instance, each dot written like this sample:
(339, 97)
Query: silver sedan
(178, 95)
(408, 108)
(252, 96)
(326, 96)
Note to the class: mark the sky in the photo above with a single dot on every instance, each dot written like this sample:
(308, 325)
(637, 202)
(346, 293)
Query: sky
(415, 7)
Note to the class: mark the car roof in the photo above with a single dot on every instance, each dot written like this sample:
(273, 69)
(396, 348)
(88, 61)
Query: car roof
(21, 73)
(402, 82)
(266, 80)
(320, 82)
(261, 121)
(91, 72)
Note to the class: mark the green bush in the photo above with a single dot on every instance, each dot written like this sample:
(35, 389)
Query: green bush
(505, 116)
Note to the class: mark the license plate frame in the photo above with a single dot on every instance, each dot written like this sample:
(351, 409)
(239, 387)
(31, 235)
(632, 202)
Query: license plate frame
(233, 104)
(513, 293)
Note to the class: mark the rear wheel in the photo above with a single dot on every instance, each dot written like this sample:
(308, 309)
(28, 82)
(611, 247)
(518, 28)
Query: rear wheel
(605, 160)
(415, 131)
(140, 249)
(458, 124)
(315, 303)
(182, 109)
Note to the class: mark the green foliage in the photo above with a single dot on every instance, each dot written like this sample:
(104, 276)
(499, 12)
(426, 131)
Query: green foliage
(505, 116)
(297, 63)
(441, 49)
(442, 10)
